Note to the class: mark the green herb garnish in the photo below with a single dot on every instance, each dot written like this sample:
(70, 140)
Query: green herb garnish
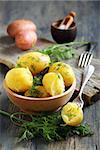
(58, 52)
(48, 126)
(18, 66)
(37, 80)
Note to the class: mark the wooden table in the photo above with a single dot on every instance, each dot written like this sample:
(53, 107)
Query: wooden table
(8, 131)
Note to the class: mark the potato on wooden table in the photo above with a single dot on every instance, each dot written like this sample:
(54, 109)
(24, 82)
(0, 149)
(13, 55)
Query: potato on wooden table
(25, 39)
(19, 25)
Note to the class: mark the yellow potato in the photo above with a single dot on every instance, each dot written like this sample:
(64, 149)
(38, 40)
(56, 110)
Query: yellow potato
(19, 79)
(65, 70)
(39, 91)
(72, 114)
(53, 83)
(35, 61)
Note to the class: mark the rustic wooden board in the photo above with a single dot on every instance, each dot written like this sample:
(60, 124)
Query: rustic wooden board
(9, 53)
(8, 131)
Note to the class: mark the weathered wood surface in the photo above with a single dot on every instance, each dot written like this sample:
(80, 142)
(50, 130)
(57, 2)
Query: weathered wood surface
(8, 131)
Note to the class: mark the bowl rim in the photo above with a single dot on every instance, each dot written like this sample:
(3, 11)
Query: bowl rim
(38, 99)
(63, 29)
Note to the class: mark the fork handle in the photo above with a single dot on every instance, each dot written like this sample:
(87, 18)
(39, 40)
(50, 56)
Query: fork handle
(88, 71)
(91, 47)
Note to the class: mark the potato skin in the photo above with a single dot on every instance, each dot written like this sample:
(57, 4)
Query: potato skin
(20, 25)
(25, 39)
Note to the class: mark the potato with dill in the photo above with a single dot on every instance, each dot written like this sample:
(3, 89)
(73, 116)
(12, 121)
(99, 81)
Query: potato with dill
(37, 91)
(53, 83)
(65, 70)
(19, 79)
(72, 114)
(35, 61)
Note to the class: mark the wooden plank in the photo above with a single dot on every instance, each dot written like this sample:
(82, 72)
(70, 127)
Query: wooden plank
(92, 116)
(62, 145)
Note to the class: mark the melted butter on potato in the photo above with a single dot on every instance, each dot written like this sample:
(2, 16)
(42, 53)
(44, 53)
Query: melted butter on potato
(53, 83)
(65, 70)
(35, 61)
(19, 79)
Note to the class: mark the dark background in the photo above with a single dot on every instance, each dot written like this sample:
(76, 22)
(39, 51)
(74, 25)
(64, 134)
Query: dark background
(43, 13)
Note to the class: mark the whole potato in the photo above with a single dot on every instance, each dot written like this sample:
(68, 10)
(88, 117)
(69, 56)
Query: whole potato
(35, 61)
(53, 83)
(20, 25)
(25, 39)
(19, 79)
(65, 70)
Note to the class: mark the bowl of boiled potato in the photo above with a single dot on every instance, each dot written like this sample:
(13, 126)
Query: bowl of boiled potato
(37, 85)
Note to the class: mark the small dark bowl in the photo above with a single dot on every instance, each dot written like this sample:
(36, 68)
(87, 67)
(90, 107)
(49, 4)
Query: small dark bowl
(61, 35)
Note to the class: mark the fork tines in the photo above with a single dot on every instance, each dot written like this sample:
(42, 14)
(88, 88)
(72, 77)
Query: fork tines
(85, 59)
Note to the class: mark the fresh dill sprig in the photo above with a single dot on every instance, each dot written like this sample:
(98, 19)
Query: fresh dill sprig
(58, 52)
(37, 80)
(48, 126)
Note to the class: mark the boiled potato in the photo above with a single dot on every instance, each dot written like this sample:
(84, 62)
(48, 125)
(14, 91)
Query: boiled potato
(53, 83)
(35, 61)
(26, 39)
(19, 25)
(65, 70)
(72, 114)
(19, 79)
(38, 91)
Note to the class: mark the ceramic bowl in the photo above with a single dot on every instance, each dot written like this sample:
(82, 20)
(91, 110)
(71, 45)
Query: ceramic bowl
(35, 105)
(61, 35)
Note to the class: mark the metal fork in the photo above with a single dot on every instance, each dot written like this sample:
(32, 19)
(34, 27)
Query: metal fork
(88, 71)
(86, 57)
